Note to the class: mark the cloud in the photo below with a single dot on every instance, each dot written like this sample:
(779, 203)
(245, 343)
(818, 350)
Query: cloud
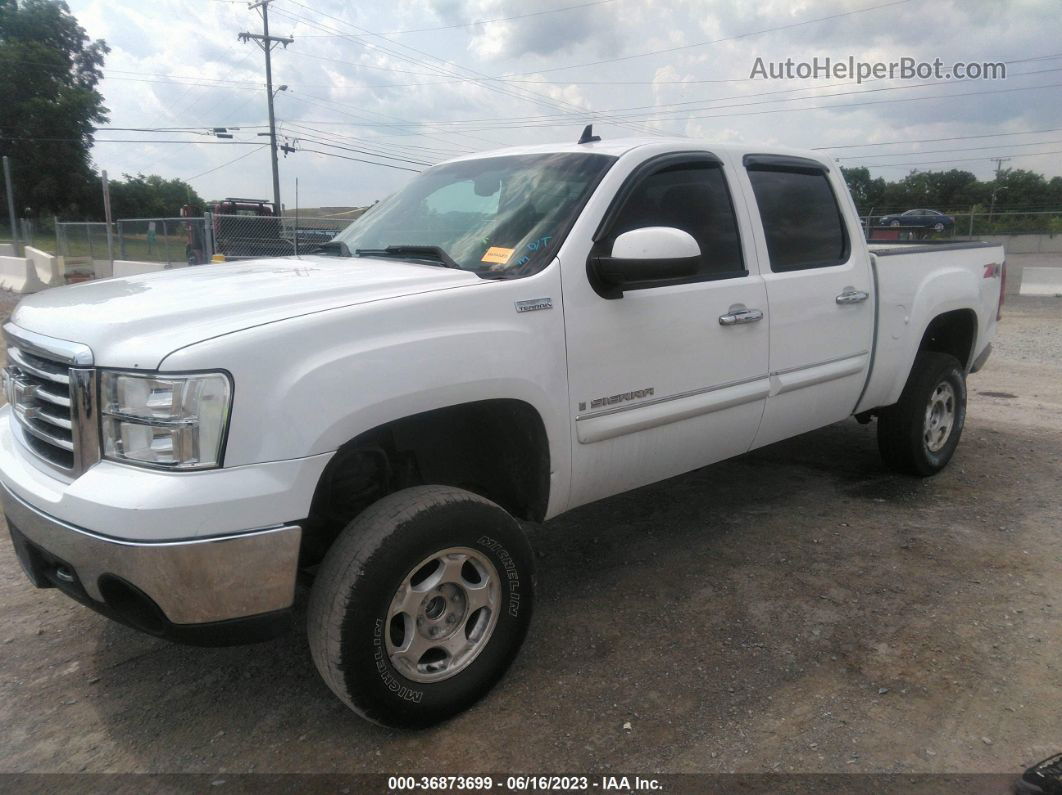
(399, 95)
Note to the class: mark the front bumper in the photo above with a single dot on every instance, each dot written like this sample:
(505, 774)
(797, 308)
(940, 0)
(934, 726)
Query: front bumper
(214, 591)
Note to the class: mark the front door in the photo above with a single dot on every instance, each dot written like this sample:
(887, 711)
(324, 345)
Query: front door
(658, 383)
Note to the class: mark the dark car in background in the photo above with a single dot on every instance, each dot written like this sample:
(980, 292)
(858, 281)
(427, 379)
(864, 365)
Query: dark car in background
(921, 219)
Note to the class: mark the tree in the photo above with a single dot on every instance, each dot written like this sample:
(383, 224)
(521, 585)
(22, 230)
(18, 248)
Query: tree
(152, 197)
(49, 105)
(866, 192)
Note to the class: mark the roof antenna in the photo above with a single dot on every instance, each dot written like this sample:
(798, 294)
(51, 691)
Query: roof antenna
(588, 136)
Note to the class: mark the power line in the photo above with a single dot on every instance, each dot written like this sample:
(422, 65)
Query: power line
(359, 160)
(617, 113)
(135, 141)
(480, 79)
(652, 116)
(324, 142)
(938, 140)
(940, 151)
(485, 21)
(958, 160)
(319, 26)
(227, 163)
(504, 123)
(717, 41)
(412, 150)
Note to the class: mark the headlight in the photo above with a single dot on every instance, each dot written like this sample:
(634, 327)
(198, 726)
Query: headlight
(165, 421)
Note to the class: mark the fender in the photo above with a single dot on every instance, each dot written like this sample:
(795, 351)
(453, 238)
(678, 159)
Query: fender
(307, 385)
(905, 314)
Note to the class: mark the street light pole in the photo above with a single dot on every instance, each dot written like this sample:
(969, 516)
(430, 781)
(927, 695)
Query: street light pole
(267, 42)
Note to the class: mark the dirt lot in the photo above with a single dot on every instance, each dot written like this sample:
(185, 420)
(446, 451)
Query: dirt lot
(799, 608)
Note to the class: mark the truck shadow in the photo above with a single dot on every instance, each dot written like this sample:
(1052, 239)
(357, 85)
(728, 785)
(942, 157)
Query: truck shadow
(640, 597)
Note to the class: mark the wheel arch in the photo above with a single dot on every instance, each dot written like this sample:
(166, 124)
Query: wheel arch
(497, 448)
(953, 332)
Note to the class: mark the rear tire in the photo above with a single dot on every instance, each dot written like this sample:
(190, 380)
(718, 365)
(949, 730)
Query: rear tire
(420, 605)
(919, 434)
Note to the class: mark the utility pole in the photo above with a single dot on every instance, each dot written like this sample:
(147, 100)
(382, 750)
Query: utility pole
(999, 161)
(107, 217)
(11, 204)
(267, 43)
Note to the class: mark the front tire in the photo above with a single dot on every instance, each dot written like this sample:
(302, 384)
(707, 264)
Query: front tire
(919, 434)
(420, 605)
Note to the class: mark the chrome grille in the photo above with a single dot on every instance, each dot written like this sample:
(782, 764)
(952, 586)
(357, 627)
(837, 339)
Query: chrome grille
(52, 402)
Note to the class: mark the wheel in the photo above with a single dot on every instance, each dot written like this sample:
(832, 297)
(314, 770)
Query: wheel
(938, 227)
(894, 223)
(420, 605)
(919, 434)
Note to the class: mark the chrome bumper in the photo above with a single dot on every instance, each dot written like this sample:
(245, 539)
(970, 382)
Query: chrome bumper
(196, 581)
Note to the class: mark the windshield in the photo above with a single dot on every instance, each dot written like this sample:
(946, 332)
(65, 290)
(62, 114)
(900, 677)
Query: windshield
(500, 217)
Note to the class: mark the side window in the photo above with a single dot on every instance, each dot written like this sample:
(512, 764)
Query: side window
(692, 197)
(801, 220)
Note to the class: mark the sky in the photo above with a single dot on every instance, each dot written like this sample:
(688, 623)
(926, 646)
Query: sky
(410, 83)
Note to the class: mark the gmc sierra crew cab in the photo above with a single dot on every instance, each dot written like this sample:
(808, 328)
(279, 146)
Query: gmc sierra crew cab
(511, 335)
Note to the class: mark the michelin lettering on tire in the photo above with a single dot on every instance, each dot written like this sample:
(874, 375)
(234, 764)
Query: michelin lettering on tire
(396, 687)
(510, 572)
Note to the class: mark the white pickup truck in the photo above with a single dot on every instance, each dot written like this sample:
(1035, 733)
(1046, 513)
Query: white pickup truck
(511, 335)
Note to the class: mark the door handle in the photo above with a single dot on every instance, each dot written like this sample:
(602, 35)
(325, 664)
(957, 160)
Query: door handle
(852, 296)
(738, 314)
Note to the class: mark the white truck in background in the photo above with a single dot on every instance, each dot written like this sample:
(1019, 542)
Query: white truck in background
(512, 335)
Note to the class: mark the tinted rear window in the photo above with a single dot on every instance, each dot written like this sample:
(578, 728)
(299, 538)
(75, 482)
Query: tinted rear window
(801, 219)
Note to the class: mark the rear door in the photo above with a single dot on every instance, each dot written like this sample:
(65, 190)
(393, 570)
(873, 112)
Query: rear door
(819, 290)
(658, 384)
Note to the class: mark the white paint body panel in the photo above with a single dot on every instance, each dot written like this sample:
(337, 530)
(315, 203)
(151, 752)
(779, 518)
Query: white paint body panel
(820, 350)
(323, 349)
(657, 242)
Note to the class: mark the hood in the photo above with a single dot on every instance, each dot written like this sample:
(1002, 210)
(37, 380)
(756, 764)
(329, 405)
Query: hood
(136, 321)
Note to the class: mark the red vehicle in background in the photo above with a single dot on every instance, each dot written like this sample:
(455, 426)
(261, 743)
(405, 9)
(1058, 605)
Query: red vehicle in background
(248, 228)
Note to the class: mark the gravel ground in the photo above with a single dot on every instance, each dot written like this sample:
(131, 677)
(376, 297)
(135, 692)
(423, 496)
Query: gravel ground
(799, 608)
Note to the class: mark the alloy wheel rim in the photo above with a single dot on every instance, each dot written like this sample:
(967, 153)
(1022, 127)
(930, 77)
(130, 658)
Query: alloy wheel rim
(443, 614)
(940, 417)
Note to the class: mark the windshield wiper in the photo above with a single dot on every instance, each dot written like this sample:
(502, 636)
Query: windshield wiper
(338, 246)
(432, 253)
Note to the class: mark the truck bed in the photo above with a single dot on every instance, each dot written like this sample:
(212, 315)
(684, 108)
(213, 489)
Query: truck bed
(916, 281)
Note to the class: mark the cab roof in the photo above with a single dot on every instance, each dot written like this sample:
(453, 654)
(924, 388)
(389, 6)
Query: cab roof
(617, 147)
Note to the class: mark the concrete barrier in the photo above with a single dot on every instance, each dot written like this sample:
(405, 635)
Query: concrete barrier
(1041, 281)
(46, 265)
(1027, 244)
(128, 267)
(19, 274)
(7, 249)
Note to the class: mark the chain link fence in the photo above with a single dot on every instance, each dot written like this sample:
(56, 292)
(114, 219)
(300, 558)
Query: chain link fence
(250, 236)
(81, 241)
(174, 241)
(26, 232)
(965, 225)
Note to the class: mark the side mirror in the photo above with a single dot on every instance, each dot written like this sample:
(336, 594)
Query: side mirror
(650, 254)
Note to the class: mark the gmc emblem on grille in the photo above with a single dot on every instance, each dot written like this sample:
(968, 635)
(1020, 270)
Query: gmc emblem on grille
(21, 393)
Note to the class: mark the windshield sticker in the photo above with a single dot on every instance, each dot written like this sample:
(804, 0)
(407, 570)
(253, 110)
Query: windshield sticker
(497, 255)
